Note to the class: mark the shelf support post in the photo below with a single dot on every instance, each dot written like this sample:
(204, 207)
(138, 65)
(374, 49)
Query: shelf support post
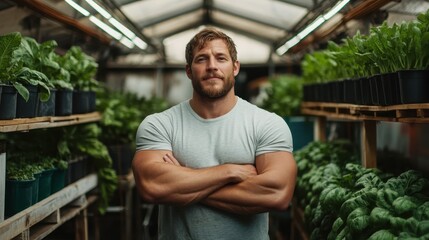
(320, 129)
(369, 144)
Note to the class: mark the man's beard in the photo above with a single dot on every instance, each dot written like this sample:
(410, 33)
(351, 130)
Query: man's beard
(212, 93)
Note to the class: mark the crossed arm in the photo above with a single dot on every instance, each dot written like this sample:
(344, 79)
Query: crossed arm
(242, 189)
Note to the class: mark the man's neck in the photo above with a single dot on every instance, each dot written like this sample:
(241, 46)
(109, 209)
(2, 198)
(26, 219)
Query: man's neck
(213, 108)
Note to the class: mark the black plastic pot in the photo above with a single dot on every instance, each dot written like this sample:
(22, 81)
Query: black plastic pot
(47, 108)
(80, 102)
(7, 102)
(365, 90)
(414, 85)
(27, 109)
(358, 91)
(391, 88)
(64, 102)
(349, 91)
(91, 101)
(374, 84)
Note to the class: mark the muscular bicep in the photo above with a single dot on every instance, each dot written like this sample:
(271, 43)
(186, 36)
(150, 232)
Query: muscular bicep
(147, 165)
(277, 171)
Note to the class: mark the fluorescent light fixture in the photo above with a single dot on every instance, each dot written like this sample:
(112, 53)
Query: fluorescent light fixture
(127, 32)
(282, 50)
(139, 43)
(99, 9)
(127, 42)
(310, 28)
(292, 42)
(115, 34)
(335, 9)
(76, 6)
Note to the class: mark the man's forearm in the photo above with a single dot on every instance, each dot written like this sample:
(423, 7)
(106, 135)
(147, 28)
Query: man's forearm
(271, 189)
(161, 182)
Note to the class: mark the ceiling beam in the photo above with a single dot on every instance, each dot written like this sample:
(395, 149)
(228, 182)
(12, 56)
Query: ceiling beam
(51, 13)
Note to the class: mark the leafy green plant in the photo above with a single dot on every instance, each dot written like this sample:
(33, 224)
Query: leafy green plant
(123, 113)
(33, 60)
(284, 95)
(11, 71)
(82, 69)
(84, 139)
(16, 171)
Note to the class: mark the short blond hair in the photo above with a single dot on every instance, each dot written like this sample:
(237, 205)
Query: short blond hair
(206, 35)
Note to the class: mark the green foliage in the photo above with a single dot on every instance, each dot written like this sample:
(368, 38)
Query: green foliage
(284, 95)
(123, 113)
(386, 49)
(84, 139)
(342, 199)
(82, 69)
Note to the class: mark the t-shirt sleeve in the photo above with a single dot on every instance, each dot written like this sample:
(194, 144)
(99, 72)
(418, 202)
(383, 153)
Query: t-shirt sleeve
(274, 135)
(152, 134)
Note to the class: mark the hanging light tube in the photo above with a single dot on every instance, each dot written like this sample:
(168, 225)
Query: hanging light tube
(115, 34)
(311, 27)
(99, 9)
(139, 43)
(127, 32)
(76, 6)
(335, 9)
(127, 42)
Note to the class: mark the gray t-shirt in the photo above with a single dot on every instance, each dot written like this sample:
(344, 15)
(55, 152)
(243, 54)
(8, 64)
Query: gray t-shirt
(236, 137)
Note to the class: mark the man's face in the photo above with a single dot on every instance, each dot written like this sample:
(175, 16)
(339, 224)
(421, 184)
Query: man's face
(212, 71)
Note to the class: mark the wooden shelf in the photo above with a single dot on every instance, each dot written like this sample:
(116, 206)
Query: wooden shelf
(50, 212)
(26, 124)
(407, 113)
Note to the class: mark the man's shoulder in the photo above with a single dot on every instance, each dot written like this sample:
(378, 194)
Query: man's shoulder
(255, 110)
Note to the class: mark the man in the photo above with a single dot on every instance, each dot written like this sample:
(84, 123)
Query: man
(216, 164)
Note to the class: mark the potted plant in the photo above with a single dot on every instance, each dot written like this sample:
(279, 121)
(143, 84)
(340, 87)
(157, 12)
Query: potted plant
(8, 88)
(59, 175)
(45, 179)
(19, 187)
(28, 61)
(82, 69)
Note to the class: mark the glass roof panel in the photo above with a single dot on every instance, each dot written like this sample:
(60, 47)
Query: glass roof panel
(175, 47)
(260, 32)
(276, 13)
(170, 27)
(141, 11)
